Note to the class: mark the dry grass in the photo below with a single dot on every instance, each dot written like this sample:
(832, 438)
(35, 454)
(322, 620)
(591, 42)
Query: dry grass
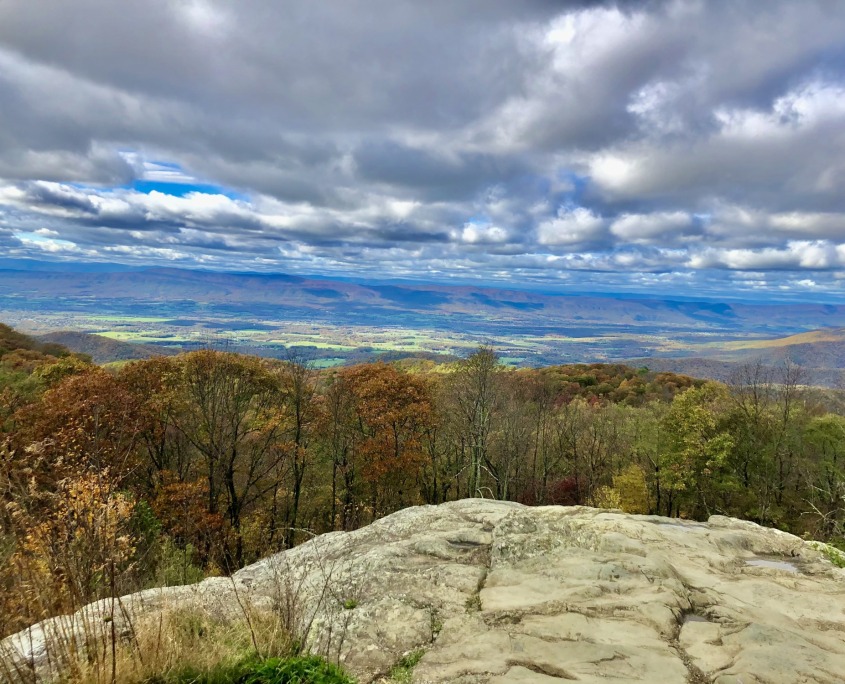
(117, 641)
(98, 650)
(186, 639)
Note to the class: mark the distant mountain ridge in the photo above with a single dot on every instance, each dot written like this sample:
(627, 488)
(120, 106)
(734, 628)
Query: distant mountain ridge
(254, 313)
(233, 293)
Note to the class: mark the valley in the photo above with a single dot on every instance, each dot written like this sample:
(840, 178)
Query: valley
(336, 322)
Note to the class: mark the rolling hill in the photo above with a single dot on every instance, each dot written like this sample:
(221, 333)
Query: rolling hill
(102, 349)
(819, 353)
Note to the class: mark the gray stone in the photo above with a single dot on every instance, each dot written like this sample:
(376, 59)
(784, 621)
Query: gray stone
(497, 592)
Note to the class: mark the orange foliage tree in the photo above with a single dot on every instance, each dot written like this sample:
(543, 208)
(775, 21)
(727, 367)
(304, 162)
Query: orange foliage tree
(88, 422)
(391, 411)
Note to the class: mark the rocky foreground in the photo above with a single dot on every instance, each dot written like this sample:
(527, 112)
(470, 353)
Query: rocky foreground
(496, 592)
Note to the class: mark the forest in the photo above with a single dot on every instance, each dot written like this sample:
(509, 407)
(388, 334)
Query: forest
(166, 470)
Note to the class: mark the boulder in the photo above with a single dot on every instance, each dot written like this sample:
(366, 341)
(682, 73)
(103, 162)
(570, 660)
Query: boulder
(497, 592)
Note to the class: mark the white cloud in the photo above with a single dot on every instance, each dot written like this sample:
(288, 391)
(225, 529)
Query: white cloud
(475, 233)
(798, 254)
(571, 226)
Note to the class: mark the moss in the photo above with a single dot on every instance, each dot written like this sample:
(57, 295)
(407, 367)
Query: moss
(473, 604)
(832, 554)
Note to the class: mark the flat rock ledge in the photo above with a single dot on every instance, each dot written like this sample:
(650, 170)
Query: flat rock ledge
(495, 592)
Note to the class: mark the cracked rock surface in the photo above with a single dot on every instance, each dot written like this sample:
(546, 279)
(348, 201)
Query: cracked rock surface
(496, 592)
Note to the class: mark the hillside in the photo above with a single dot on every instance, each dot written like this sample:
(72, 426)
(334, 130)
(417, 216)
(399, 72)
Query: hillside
(13, 341)
(809, 354)
(103, 349)
(836, 335)
(728, 371)
(819, 353)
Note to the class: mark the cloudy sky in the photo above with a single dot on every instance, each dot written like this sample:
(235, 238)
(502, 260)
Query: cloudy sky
(633, 145)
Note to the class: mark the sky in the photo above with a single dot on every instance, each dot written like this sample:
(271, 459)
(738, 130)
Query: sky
(681, 146)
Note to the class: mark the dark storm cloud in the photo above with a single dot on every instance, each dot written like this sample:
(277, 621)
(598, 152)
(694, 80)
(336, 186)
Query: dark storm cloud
(526, 140)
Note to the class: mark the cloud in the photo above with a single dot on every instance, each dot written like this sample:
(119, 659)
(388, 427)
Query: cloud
(481, 233)
(532, 142)
(571, 226)
(796, 255)
(656, 227)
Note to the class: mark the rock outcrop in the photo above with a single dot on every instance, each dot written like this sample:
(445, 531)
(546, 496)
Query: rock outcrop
(496, 592)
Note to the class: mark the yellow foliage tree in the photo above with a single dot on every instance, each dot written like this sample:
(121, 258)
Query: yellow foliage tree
(632, 489)
(73, 553)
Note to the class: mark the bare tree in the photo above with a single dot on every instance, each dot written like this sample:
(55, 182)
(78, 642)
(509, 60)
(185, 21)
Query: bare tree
(474, 387)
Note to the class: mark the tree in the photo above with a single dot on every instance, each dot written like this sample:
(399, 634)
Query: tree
(299, 413)
(228, 413)
(825, 474)
(88, 422)
(474, 395)
(166, 453)
(511, 437)
(698, 448)
(335, 416)
(391, 412)
(765, 423)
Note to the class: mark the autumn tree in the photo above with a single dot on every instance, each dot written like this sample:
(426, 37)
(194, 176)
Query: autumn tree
(89, 422)
(156, 384)
(298, 416)
(391, 411)
(337, 430)
(512, 437)
(440, 477)
(545, 459)
(228, 413)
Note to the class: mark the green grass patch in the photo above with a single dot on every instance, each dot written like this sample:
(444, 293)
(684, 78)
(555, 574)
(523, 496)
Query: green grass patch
(116, 365)
(327, 363)
(295, 670)
(404, 669)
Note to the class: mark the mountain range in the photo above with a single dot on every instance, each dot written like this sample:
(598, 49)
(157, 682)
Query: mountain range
(229, 293)
(171, 309)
